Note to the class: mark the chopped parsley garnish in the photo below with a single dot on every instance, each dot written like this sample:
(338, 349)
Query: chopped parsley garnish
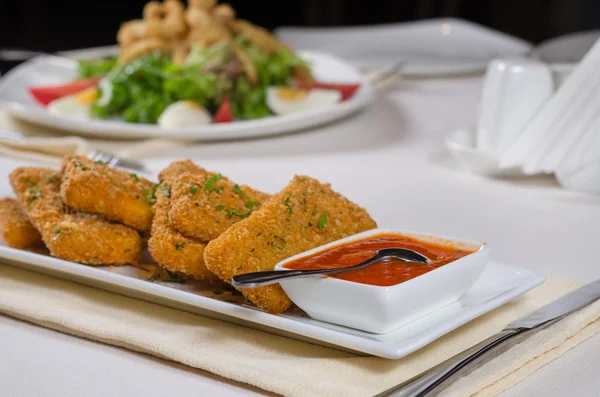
(277, 242)
(194, 189)
(304, 194)
(301, 179)
(236, 189)
(165, 190)
(231, 212)
(53, 178)
(314, 212)
(150, 195)
(251, 204)
(151, 279)
(30, 181)
(287, 204)
(55, 230)
(234, 212)
(322, 221)
(134, 177)
(35, 192)
(211, 181)
(259, 233)
(179, 247)
(99, 162)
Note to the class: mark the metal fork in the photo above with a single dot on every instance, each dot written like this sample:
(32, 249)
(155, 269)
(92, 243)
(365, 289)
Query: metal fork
(96, 155)
(113, 161)
(378, 76)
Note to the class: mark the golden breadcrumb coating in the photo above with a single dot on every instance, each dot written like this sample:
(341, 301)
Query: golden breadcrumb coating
(171, 249)
(204, 206)
(304, 215)
(15, 228)
(116, 195)
(72, 236)
(179, 167)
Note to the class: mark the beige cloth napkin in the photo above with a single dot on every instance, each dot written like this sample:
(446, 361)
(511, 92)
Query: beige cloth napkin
(279, 364)
(49, 146)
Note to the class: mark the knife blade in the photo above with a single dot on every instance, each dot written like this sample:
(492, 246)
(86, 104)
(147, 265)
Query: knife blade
(436, 378)
(560, 307)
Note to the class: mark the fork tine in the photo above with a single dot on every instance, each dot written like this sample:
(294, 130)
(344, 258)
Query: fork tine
(114, 161)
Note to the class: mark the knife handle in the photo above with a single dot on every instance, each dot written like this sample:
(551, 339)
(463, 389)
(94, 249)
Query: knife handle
(424, 383)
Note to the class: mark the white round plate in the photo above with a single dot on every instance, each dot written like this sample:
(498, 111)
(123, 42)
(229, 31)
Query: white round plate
(433, 47)
(54, 70)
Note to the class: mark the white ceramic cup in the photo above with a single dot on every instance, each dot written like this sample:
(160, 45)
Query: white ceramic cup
(513, 93)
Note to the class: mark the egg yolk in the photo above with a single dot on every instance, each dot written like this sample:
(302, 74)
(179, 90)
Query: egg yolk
(290, 94)
(192, 105)
(87, 96)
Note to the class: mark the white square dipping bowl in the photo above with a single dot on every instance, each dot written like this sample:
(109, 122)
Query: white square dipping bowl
(379, 309)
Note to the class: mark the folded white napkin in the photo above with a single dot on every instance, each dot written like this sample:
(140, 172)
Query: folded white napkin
(31, 142)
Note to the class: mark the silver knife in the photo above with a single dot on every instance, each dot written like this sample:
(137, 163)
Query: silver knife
(437, 378)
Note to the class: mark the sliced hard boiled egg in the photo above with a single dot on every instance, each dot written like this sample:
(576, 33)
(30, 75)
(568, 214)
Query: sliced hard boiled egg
(76, 106)
(184, 114)
(284, 100)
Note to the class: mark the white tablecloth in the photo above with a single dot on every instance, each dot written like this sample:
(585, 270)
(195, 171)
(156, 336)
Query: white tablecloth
(390, 159)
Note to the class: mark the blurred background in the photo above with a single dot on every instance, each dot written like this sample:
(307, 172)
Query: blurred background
(47, 25)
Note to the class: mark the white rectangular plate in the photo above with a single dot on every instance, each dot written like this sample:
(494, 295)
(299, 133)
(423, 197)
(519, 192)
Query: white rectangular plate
(497, 285)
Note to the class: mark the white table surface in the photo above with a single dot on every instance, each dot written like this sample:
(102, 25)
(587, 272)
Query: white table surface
(391, 160)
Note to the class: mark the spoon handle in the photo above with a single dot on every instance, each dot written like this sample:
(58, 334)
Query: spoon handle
(257, 279)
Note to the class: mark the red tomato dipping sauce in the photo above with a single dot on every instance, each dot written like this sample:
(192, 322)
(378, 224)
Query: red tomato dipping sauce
(385, 273)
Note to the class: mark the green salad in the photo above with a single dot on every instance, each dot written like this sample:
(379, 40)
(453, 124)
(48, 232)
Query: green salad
(140, 91)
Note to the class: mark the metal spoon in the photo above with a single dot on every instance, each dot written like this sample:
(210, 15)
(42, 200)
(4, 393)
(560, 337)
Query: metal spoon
(257, 279)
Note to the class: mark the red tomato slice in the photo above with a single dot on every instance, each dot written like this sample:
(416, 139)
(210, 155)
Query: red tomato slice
(48, 93)
(347, 90)
(224, 114)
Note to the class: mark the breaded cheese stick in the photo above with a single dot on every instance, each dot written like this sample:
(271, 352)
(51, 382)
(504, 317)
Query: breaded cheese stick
(116, 195)
(15, 228)
(179, 167)
(172, 250)
(204, 206)
(304, 215)
(72, 236)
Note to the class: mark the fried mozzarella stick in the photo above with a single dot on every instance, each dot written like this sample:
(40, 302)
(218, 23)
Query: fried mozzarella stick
(116, 195)
(169, 248)
(15, 228)
(72, 236)
(179, 167)
(304, 215)
(204, 206)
